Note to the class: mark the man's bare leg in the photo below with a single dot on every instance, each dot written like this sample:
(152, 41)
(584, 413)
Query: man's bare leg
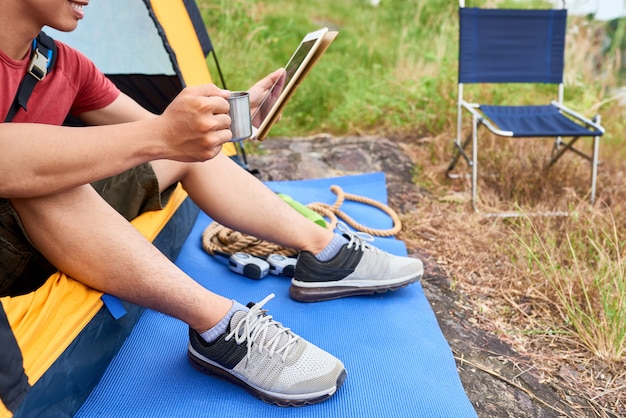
(84, 237)
(90, 241)
(329, 266)
(234, 198)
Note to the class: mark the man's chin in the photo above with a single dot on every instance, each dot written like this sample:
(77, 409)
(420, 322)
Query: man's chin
(65, 28)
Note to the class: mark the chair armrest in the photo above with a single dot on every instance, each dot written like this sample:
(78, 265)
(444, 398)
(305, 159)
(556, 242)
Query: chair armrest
(577, 115)
(471, 107)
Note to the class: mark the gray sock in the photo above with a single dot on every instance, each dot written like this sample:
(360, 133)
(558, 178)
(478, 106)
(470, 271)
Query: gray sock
(332, 248)
(214, 333)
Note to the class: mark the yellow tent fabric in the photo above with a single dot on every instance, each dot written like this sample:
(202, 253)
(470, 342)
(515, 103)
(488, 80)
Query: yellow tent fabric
(180, 33)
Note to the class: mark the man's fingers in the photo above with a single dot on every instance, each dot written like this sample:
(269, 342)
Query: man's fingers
(222, 122)
(208, 90)
(281, 72)
(216, 105)
(210, 96)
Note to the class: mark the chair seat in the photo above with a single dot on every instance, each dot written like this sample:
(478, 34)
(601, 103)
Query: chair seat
(535, 121)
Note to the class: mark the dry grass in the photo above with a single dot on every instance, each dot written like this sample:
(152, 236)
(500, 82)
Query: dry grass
(552, 287)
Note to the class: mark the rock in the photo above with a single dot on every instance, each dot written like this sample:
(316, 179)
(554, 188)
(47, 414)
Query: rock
(324, 156)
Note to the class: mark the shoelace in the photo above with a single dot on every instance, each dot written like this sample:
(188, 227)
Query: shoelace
(256, 324)
(358, 240)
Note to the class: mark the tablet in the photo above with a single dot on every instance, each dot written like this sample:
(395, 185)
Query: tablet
(311, 48)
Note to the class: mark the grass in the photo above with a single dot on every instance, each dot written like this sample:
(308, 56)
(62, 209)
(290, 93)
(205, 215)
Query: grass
(371, 78)
(585, 272)
(554, 288)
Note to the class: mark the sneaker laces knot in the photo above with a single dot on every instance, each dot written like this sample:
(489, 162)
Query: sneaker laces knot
(260, 329)
(358, 240)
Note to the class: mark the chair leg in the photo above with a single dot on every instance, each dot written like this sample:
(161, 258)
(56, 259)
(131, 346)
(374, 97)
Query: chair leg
(459, 152)
(594, 168)
(558, 152)
(474, 162)
(556, 147)
(595, 162)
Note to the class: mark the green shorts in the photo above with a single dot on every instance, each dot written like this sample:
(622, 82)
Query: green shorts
(23, 268)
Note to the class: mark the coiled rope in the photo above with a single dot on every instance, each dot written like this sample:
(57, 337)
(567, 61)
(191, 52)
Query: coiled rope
(218, 238)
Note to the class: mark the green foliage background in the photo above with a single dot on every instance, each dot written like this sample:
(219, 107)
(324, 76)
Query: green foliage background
(393, 67)
(389, 68)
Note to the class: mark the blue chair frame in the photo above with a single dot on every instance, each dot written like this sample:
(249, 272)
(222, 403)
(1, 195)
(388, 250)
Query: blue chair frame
(518, 46)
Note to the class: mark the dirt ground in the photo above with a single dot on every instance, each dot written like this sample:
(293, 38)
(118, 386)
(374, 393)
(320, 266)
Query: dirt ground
(494, 376)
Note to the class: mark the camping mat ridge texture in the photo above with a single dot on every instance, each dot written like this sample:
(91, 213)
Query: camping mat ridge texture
(398, 362)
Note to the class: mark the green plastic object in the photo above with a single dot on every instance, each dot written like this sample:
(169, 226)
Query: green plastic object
(306, 212)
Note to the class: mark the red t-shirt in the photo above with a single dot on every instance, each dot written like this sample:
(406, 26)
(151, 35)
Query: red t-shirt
(73, 86)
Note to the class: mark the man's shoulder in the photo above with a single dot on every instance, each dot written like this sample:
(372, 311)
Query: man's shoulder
(73, 64)
(68, 52)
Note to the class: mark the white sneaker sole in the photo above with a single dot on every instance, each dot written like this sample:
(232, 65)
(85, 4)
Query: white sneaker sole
(320, 291)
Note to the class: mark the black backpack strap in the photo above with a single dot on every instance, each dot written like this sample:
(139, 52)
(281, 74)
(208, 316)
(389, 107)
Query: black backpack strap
(42, 59)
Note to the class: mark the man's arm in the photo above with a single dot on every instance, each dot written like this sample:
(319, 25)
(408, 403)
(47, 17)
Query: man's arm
(37, 159)
(122, 110)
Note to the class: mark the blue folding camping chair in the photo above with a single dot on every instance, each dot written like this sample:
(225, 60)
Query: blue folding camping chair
(518, 46)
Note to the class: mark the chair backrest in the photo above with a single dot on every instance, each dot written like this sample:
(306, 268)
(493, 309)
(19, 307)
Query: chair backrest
(511, 45)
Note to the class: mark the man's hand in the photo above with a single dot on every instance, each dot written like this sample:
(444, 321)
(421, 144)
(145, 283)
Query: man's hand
(260, 89)
(196, 124)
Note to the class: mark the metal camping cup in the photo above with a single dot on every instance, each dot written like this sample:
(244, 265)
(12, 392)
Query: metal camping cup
(241, 123)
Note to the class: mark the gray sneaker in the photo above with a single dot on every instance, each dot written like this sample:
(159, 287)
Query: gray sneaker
(358, 269)
(268, 360)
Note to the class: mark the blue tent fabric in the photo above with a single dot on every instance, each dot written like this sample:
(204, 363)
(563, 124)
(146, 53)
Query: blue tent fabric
(535, 121)
(501, 45)
(398, 362)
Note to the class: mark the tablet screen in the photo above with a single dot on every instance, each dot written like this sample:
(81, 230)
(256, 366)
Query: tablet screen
(274, 93)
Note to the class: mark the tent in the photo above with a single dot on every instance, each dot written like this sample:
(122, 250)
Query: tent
(58, 341)
(151, 50)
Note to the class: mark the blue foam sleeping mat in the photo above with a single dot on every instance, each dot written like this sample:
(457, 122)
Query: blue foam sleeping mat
(398, 362)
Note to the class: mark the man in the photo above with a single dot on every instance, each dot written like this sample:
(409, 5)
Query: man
(81, 186)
